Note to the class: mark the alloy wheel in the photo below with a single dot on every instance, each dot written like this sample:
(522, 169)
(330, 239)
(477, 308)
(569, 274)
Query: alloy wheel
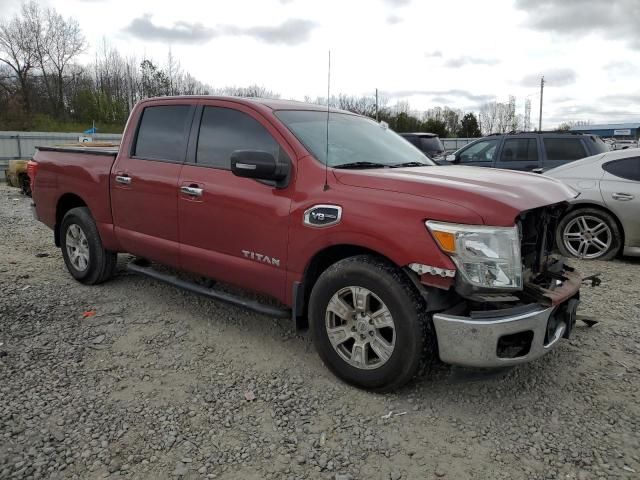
(77, 247)
(360, 327)
(587, 236)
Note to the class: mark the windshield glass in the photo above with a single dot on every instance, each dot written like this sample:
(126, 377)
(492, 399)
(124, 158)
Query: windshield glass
(352, 139)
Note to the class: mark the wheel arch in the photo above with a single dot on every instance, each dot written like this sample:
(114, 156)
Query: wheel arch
(65, 203)
(318, 263)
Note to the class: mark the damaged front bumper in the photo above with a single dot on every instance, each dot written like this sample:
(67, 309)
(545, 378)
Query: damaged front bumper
(510, 336)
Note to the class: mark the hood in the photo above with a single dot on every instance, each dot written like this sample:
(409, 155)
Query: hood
(498, 196)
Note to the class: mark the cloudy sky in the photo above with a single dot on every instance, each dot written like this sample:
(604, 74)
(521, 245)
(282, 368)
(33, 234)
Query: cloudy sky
(457, 53)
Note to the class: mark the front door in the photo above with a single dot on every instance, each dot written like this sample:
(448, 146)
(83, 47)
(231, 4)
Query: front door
(620, 188)
(234, 229)
(144, 184)
(519, 153)
(479, 154)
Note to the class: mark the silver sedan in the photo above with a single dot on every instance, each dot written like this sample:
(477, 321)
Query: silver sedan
(605, 218)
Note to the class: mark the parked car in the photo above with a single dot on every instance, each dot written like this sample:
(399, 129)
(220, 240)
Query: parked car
(389, 260)
(528, 151)
(428, 143)
(605, 218)
(624, 144)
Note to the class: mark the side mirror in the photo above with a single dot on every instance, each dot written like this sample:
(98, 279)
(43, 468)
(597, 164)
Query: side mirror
(258, 165)
(450, 158)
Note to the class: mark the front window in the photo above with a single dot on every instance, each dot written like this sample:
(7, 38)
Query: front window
(481, 151)
(353, 140)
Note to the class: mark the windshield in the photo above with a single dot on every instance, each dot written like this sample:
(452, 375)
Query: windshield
(353, 140)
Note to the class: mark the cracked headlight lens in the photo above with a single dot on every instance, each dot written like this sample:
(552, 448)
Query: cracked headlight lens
(486, 257)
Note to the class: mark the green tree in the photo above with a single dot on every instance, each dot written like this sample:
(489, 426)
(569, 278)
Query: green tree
(435, 126)
(469, 127)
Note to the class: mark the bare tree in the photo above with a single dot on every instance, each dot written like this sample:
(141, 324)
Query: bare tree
(17, 50)
(65, 41)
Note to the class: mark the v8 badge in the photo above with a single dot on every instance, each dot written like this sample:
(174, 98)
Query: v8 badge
(320, 216)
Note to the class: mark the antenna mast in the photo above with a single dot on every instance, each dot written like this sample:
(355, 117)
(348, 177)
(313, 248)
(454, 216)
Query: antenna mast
(326, 161)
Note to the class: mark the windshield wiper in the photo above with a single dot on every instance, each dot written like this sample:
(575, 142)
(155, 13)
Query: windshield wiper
(409, 164)
(361, 165)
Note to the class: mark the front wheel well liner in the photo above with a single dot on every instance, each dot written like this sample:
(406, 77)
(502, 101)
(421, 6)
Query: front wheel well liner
(65, 203)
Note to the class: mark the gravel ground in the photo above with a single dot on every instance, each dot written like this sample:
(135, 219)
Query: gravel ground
(161, 383)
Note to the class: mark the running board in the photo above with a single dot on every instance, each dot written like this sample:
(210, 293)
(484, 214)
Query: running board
(208, 292)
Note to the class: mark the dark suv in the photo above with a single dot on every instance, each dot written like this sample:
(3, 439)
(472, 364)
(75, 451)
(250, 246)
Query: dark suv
(529, 151)
(428, 143)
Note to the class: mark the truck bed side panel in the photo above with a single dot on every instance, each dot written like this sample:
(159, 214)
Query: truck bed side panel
(83, 174)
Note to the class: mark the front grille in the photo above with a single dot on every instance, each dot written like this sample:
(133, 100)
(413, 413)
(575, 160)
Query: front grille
(537, 232)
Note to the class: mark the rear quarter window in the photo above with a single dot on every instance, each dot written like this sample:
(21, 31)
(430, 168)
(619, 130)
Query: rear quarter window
(564, 148)
(162, 133)
(627, 168)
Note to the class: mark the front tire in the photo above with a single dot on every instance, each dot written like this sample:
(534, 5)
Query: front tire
(589, 234)
(369, 324)
(82, 250)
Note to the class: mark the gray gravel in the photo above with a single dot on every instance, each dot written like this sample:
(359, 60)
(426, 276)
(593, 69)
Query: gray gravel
(160, 383)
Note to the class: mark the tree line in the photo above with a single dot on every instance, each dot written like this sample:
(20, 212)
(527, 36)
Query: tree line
(41, 78)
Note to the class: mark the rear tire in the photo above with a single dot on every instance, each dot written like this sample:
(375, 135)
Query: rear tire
(377, 352)
(590, 234)
(82, 250)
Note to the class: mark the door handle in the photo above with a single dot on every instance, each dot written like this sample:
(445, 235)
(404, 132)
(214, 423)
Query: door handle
(537, 170)
(193, 191)
(123, 179)
(622, 196)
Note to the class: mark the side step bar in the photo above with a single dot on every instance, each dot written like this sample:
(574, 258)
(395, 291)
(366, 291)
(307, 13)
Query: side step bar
(142, 268)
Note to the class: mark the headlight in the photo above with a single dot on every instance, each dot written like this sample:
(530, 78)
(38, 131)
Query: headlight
(486, 256)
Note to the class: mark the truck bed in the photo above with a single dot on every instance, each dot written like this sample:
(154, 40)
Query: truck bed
(68, 173)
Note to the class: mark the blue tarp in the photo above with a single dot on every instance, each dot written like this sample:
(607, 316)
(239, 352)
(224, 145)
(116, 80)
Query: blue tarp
(91, 130)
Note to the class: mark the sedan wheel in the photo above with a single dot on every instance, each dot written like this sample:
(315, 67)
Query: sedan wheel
(590, 234)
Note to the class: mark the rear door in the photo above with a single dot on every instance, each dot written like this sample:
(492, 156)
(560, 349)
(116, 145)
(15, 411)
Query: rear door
(519, 153)
(234, 229)
(479, 154)
(620, 187)
(144, 183)
(559, 150)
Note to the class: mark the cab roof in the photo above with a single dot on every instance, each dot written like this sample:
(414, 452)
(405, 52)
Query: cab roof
(268, 103)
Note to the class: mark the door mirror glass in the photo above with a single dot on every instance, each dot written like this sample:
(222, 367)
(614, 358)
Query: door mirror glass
(259, 165)
(450, 158)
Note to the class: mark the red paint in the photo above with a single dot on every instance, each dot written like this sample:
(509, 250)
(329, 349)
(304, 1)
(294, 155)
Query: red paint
(383, 210)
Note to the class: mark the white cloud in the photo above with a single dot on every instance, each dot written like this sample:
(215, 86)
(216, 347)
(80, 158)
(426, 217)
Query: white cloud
(458, 52)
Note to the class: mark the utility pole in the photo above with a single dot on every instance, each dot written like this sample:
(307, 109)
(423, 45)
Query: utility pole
(541, 92)
(377, 105)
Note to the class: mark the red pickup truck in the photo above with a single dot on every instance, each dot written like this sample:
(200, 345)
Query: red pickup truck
(390, 261)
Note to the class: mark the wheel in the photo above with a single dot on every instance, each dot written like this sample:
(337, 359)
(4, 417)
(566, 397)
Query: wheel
(590, 234)
(82, 250)
(369, 324)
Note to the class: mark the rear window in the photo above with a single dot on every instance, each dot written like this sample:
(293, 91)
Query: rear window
(431, 144)
(162, 134)
(564, 148)
(627, 168)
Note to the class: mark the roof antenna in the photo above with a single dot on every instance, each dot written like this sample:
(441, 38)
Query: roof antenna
(326, 161)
